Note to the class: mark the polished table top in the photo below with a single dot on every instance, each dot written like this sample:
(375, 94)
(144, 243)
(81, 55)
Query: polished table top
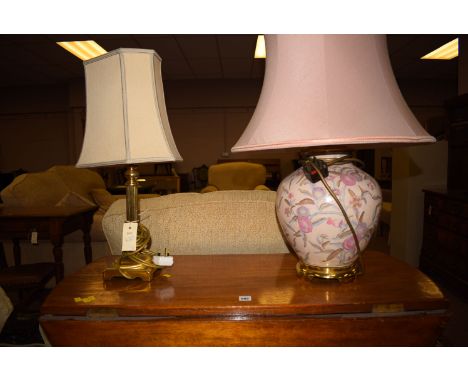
(245, 285)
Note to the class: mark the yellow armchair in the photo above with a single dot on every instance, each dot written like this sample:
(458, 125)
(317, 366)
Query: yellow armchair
(236, 176)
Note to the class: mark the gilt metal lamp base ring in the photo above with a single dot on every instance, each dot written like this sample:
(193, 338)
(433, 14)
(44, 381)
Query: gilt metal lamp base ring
(342, 274)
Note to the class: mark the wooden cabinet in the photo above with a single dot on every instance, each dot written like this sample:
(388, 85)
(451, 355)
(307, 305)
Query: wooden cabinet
(163, 184)
(457, 137)
(444, 253)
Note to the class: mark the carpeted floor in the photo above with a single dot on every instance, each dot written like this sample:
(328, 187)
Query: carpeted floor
(22, 328)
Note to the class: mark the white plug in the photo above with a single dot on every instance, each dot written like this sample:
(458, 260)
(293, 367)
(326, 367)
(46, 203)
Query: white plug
(163, 261)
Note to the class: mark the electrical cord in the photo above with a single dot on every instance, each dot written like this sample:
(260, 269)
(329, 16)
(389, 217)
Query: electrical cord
(314, 162)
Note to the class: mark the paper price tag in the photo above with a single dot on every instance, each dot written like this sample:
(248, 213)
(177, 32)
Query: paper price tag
(34, 237)
(129, 236)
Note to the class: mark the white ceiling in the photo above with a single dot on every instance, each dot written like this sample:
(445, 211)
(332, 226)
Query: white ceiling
(36, 59)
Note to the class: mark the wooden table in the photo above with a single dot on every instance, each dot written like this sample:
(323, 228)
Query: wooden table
(244, 300)
(52, 223)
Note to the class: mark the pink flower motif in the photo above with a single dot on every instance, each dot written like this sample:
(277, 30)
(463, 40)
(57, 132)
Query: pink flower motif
(287, 211)
(303, 219)
(348, 179)
(334, 223)
(349, 243)
(361, 230)
(290, 196)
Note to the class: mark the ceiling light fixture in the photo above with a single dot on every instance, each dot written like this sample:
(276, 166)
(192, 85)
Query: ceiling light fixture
(84, 50)
(260, 50)
(445, 52)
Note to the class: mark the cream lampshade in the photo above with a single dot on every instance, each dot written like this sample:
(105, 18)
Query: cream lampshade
(127, 123)
(329, 91)
(126, 118)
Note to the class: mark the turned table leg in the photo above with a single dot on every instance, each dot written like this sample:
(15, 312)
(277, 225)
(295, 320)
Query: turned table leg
(56, 237)
(88, 253)
(17, 252)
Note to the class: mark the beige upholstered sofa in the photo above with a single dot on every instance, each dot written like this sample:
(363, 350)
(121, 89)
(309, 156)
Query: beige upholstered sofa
(221, 222)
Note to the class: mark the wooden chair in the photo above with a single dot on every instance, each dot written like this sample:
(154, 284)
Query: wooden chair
(23, 283)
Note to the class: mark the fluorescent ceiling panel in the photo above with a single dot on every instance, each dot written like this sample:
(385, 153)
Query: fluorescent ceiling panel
(260, 49)
(84, 50)
(445, 52)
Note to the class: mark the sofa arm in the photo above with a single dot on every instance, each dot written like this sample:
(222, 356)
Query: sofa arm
(209, 188)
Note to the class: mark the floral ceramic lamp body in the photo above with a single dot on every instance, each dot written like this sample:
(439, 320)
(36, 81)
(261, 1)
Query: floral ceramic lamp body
(314, 224)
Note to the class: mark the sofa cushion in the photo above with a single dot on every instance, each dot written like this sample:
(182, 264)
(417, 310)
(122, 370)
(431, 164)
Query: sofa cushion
(34, 189)
(79, 180)
(73, 199)
(222, 222)
(104, 199)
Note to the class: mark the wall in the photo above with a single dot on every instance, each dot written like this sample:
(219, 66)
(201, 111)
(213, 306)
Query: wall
(463, 64)
(208, 117)
(418, 167)
(33, 128)
(414, 168)
(43, 126)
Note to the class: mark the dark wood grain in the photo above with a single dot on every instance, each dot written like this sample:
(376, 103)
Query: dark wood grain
(419, 330)
(391, 304)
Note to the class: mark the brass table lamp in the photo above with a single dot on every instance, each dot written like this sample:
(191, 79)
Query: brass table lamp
(127, 123)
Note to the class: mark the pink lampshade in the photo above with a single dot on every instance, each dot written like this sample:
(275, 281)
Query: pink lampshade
(326, 90)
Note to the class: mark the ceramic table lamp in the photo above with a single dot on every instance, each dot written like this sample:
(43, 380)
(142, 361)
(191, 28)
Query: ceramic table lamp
(127, 123)
(333, 92)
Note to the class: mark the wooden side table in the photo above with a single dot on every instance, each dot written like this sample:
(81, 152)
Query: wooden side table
(52, 223)
(246, 300)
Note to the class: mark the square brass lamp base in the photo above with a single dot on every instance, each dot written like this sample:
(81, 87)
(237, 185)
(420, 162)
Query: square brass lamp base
(143, 274)
(127, 267)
